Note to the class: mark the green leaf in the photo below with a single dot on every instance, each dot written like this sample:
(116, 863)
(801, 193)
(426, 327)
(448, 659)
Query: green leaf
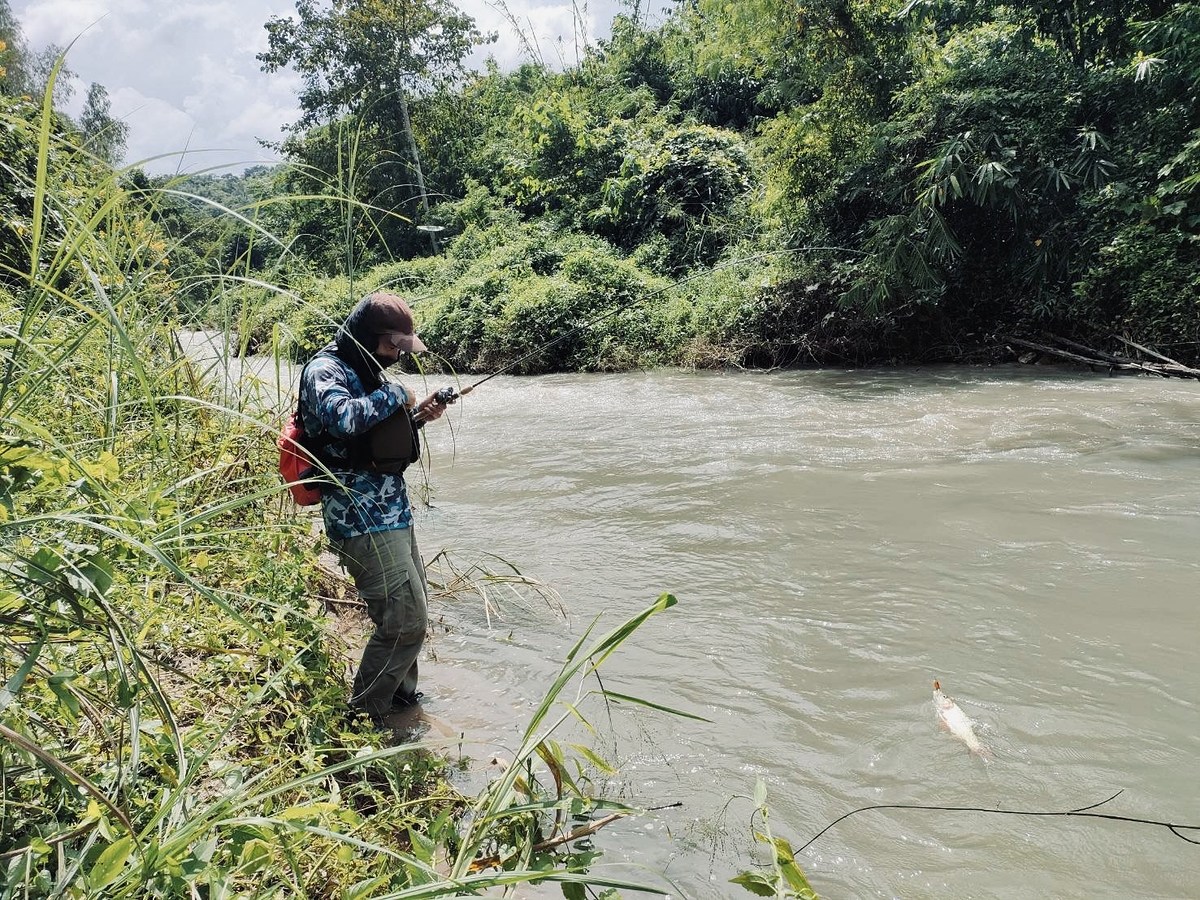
(785, 856)
(760, 793)
(59, 684)
(595, 760)
(126, 693)
(783, 850)
(204, 850)
(90, 577)
(797, 882)
(109, 863)
(613, 695)
(422, 847)
(9, 692)
(256, 856)
(756, 883)
(365, 888)
(308, 812)
(44, 565)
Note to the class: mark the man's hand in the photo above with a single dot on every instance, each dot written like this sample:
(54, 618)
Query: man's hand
(403, 395)
(429, 409)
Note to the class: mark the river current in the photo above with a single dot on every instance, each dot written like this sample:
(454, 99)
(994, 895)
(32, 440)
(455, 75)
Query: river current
(838, 540)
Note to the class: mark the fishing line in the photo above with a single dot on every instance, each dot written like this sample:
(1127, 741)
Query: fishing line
(1082, 813)
(450, 394)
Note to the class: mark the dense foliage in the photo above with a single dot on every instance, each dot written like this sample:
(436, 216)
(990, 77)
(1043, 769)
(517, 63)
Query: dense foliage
(830, 181)
(971, 170)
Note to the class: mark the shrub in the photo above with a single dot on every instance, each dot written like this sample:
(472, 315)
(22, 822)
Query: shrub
(1145, 282)
(535, 288)
(685, 185)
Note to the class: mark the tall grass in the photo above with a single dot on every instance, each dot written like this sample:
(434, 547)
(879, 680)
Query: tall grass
(171, 723)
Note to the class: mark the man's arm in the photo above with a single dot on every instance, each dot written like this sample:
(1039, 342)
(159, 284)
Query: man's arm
(343, 415)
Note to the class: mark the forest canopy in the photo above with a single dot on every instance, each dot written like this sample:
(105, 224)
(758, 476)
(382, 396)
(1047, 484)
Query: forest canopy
(837, 181)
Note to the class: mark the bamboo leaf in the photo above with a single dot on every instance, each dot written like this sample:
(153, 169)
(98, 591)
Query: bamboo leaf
(594, 759)
(613, 695)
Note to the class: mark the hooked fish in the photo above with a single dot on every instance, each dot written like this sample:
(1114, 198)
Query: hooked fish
(958, 723)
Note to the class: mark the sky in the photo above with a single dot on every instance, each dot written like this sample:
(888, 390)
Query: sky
(183, 74)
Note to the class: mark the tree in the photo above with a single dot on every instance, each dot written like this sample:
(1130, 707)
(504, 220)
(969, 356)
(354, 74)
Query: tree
(1091, 31)
(27, 72)
(42, 65)
(357, 56)
(14, 63)
(103, 135)
(366, 57)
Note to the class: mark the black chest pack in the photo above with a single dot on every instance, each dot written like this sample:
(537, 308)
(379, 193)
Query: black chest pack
(389, 447)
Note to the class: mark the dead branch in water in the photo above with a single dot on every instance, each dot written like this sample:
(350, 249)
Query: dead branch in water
(1111, 362)
(582, 831)
(1171, 365)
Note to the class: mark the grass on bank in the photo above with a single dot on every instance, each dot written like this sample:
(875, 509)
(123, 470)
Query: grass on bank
(171, 720)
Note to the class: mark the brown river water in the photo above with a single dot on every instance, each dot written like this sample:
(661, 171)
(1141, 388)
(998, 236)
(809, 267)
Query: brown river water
(837, 540)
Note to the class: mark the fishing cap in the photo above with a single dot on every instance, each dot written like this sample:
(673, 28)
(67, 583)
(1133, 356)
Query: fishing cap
(387, 314)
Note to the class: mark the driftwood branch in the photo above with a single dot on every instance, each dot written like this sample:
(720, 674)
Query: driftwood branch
(582, 831)
(1089, 351)
(490, 862)
(1171, 365)
(1099, 359)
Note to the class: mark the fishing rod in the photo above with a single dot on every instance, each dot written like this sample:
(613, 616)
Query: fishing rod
(450, 394)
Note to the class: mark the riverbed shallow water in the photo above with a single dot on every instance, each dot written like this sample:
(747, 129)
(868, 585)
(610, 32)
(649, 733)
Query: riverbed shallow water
(838, 540)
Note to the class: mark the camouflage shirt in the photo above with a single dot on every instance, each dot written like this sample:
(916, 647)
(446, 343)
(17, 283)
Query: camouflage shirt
(334, 402)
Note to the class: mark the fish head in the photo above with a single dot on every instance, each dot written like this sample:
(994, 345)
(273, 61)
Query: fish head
(940, 700)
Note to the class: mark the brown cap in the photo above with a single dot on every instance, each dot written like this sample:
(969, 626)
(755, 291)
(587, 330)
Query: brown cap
(388, 314)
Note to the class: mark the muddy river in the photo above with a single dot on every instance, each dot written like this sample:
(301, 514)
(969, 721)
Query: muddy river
(838, 540)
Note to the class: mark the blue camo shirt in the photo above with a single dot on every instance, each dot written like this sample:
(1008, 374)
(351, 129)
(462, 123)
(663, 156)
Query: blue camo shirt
(333, 401)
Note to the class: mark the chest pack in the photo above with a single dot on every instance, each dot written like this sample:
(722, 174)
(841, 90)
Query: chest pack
(395, 443)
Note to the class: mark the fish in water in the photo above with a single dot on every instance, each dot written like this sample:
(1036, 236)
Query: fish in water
(958, 723)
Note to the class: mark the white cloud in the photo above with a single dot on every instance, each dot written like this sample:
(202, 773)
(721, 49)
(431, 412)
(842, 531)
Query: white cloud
(184, 75)
(154, 126)
(59, 21)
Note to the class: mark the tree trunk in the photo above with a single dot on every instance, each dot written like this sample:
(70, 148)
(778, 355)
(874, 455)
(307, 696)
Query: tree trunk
(406, 123)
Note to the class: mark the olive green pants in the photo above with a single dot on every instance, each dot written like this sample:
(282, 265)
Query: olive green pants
(387, 570)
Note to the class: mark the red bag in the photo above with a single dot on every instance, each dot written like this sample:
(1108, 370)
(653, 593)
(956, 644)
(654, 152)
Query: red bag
(296, 464)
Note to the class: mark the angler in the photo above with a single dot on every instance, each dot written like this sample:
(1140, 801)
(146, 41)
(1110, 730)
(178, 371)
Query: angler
(352, 419)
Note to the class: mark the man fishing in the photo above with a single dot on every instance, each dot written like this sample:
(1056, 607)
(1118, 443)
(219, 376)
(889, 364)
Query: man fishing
(344, 404)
